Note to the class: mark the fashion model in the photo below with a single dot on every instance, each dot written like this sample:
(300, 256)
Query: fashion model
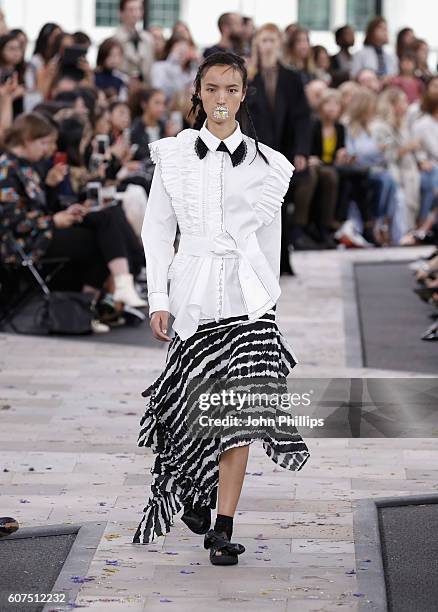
(224, 190)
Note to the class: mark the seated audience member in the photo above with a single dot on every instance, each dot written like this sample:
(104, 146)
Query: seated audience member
(177, 72)
(298, 55)
(405, 41)
(366, 153)
(12, 65)
(369, 79)
(347, 89)
(151, 122)
(398, 147)
(372, 55)
(406, 80)
(421, 51)
(314, 93)
(340, 63)
(329, 154)
(425, 131)
(108, 76)
(92, 240)
(322, 63)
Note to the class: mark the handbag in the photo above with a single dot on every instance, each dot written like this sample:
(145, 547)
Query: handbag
(58, 312)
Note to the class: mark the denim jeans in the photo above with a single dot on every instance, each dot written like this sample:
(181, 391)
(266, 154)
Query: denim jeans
(429, 190)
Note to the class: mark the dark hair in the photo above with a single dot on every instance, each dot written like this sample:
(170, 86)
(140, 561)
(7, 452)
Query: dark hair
(89, 96)
(16, 31)
(71, 131)
(27, 127)
(82, 39)
(339, 33)
(139, 97)
(42, 42)
(123, 3)
(243, 115)
(55, 47)
(105, 49)
(171, 42)
(408, 54)
(317, 50)
(400, 44)
(223, 20)
(117, 103)
(19, 68)
(429, 103)
(371, 28)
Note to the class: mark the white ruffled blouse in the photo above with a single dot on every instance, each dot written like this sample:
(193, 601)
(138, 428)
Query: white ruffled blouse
(229, 217)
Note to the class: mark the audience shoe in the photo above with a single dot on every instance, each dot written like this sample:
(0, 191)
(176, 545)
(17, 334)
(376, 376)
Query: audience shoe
(351, 238)
(98, 327)
(126, 292)
(329, 242)
(431, 334)
(305, 243)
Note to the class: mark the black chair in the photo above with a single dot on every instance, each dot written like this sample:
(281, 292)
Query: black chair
(20, 281)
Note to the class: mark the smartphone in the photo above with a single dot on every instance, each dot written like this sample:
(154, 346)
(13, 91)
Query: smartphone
(93, 194)
(6, 75)
(102, 143)
(127, 137)
(73, 54)
(60, 158)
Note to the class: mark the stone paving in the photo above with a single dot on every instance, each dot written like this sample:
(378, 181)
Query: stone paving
(70, 412)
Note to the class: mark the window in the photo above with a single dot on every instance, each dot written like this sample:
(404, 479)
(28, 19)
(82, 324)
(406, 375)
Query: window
(161, 12)
(107, 12)
(359, 13)
(314, 14)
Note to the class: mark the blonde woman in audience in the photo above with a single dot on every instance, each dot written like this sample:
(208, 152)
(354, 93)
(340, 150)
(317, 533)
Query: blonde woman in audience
(347, 90)
(398, 147)
(366, 152)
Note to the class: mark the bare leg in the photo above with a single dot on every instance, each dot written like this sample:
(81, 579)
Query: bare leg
(90, 289)
(232, 467)
(119, 265)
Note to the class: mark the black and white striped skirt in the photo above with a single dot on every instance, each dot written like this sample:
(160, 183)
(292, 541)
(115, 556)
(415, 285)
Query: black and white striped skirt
(186, 467)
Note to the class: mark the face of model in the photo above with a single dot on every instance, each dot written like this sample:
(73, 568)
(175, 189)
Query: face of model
(221, 88)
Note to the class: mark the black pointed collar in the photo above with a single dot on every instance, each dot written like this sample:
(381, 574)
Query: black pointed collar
(237, 156)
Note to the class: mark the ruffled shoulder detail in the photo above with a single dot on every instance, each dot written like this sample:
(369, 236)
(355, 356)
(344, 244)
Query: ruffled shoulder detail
(275, 184)
(164, 153)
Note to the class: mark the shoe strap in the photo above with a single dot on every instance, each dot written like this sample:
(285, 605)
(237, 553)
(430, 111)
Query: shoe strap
(219, 542)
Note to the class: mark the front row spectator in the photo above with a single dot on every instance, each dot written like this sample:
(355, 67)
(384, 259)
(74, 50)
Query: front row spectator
(92, 240)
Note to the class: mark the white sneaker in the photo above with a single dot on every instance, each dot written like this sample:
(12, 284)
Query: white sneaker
(98, 327)
(126, 292)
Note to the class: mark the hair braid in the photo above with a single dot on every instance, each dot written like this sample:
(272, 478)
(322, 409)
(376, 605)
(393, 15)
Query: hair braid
(253, 132)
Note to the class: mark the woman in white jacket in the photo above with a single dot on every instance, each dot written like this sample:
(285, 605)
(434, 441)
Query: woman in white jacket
(224, 190)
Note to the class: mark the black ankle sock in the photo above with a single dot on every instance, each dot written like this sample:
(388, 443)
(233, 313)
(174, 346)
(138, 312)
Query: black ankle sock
(224, 523)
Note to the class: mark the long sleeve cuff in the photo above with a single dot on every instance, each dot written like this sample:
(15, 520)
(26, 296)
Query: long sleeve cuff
(158, 301)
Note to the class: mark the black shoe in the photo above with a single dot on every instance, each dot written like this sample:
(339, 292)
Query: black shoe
(229, 551)
(369, 236)
(425, 293)
(329, 242)
(305, 243)
(197, 520)
(431, 334)
(286, 269)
